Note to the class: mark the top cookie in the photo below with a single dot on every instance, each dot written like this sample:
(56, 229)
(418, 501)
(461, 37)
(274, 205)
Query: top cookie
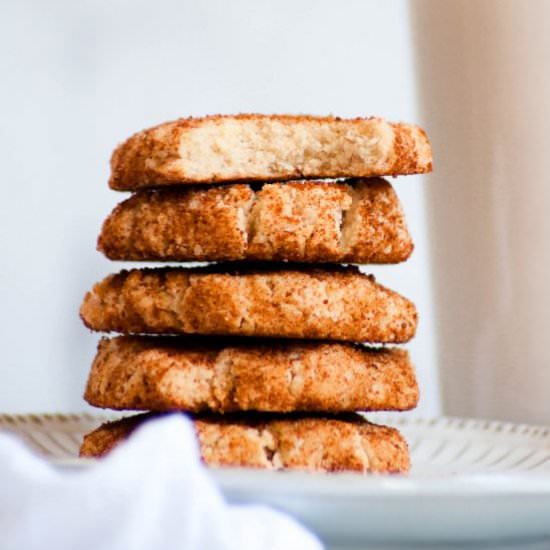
(252, 147)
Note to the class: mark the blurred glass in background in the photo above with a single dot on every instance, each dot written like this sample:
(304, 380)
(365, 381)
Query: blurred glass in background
(484, 88)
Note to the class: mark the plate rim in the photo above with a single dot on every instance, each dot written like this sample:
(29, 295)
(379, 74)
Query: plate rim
(350, 483)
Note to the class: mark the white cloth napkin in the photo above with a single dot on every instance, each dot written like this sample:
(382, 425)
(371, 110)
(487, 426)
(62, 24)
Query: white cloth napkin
(152, 492)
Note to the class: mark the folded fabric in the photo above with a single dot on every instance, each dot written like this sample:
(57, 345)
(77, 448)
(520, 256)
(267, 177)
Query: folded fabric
(152, 492)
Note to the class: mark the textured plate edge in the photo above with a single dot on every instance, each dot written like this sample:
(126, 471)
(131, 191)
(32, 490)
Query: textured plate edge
(393, 419)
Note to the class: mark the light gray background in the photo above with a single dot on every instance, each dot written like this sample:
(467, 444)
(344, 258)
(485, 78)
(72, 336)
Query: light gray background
(78, 77)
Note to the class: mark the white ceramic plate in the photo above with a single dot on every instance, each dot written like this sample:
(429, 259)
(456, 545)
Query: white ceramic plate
(472, 482)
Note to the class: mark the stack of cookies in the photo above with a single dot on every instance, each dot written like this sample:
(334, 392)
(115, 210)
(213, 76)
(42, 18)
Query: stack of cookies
(267, 349)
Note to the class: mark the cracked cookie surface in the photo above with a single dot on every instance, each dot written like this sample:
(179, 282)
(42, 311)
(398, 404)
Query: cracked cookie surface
(222, 375)
(357, 221)
(335, 303)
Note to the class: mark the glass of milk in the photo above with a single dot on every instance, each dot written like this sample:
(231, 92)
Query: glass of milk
(483, 71)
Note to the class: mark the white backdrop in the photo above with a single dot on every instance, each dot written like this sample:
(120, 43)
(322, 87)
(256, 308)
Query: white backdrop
(78, 77)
